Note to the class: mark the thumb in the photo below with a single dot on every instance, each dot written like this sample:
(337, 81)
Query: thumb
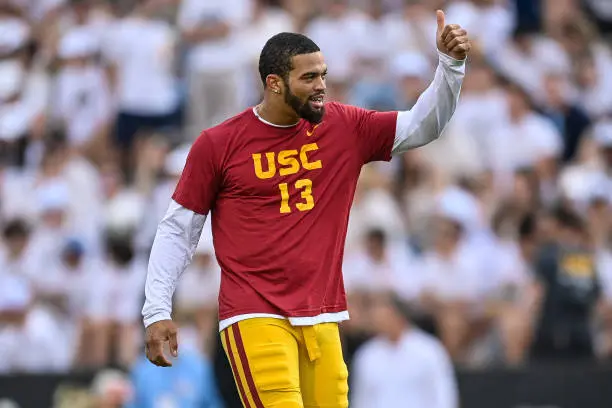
(441, 20)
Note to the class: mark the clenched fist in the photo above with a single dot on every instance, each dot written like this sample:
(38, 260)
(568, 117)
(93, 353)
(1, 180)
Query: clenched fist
(451, 39)
(157, 335)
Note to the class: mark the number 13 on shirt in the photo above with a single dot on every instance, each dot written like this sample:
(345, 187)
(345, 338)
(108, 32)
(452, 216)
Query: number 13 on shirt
(305, 187)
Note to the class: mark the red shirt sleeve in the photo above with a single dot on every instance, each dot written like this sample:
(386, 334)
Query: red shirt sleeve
(200, 181)
(375, 132)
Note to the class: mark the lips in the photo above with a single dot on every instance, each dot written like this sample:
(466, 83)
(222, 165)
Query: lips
(317, 101)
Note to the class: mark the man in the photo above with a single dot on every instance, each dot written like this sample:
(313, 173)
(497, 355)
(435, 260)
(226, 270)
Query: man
(421, 373)
(279, 180)
(567, 269)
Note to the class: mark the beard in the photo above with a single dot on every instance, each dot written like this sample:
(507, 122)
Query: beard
(303, 109)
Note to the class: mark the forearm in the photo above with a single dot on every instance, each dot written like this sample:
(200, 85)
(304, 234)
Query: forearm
(433, 110)
(175, 242)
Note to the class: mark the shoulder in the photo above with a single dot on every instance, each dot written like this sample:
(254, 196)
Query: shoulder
(337, 108)
(336, 111)
(225, 131)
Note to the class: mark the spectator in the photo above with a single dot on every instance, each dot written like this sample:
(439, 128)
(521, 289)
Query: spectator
(519, 291)
(14, 258)
(566, 266)
(569, 118)
(140, 49)
(82, 92)
(111, 389)
(120, 296)
(421, 374)
(215, 60)
(451, 292)
(334, 31)
(528, 57)
(527, 139)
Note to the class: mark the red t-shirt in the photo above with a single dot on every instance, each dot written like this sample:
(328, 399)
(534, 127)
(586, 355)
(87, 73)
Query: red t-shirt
(280, 199)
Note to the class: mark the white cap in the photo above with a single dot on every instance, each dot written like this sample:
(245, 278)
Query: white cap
(14, 34)
(410, 64)
(460, 206)
(124, 212)
(53, 195)
(11, 78)
(581, 185)
(602, 134)
(111, 381)
(16, 293)
(78, 43)
(176, 159)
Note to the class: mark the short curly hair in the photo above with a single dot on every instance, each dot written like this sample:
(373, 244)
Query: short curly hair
(275, 57)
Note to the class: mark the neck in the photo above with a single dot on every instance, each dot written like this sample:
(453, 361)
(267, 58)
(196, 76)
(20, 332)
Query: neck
(517, 115)
(395, 336)
(447, 250)
(277, 114)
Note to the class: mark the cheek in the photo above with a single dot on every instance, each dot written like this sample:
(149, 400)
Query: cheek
(301, 91)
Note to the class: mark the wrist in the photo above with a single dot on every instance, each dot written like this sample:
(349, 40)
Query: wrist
(157, 317)
(448, 60)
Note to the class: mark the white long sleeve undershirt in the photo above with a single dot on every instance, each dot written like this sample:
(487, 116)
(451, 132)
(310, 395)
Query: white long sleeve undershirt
(179, 231)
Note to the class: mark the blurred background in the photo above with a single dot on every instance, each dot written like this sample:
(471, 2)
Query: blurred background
(478, 268)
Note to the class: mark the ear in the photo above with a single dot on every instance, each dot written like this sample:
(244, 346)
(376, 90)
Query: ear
(274, 83)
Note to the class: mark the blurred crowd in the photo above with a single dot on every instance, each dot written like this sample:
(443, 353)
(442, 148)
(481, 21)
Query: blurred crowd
(495, 240)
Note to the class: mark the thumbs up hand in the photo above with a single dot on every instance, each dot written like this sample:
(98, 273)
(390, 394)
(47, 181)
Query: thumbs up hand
(451, 39)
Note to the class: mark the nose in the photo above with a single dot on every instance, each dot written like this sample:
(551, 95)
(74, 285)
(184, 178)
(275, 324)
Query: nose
(319, 85)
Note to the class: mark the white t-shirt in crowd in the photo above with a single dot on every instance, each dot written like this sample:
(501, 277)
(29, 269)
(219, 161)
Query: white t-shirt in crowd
(253, 36)
(595, 100)
(488, 25)
(471, 136)
(336, 38)
(199, 286)
(528, 69)
(410, 34)
(397, 272)
(82, 102)
(525, 143)
(415, 372)
(220, 54)
(513, 270)
(604, 271)
(119, 293)
(375, 208)
(143, 51)
(16, 194)
(456, 278)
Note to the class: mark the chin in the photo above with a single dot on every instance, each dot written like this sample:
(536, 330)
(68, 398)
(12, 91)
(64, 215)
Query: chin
(314, 115)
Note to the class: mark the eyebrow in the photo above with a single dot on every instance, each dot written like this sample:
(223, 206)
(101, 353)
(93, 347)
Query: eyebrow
(314, 73)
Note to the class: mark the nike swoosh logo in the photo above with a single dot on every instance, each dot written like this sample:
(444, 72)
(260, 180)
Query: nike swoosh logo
(310, 132)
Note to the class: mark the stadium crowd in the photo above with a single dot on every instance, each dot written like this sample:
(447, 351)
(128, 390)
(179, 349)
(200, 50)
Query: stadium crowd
(496, 239)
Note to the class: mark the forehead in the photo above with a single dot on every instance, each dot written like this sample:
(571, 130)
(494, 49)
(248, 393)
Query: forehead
(313, 62)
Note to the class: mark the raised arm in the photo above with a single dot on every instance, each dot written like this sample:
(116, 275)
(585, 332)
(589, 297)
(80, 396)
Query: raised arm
(433, 110)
